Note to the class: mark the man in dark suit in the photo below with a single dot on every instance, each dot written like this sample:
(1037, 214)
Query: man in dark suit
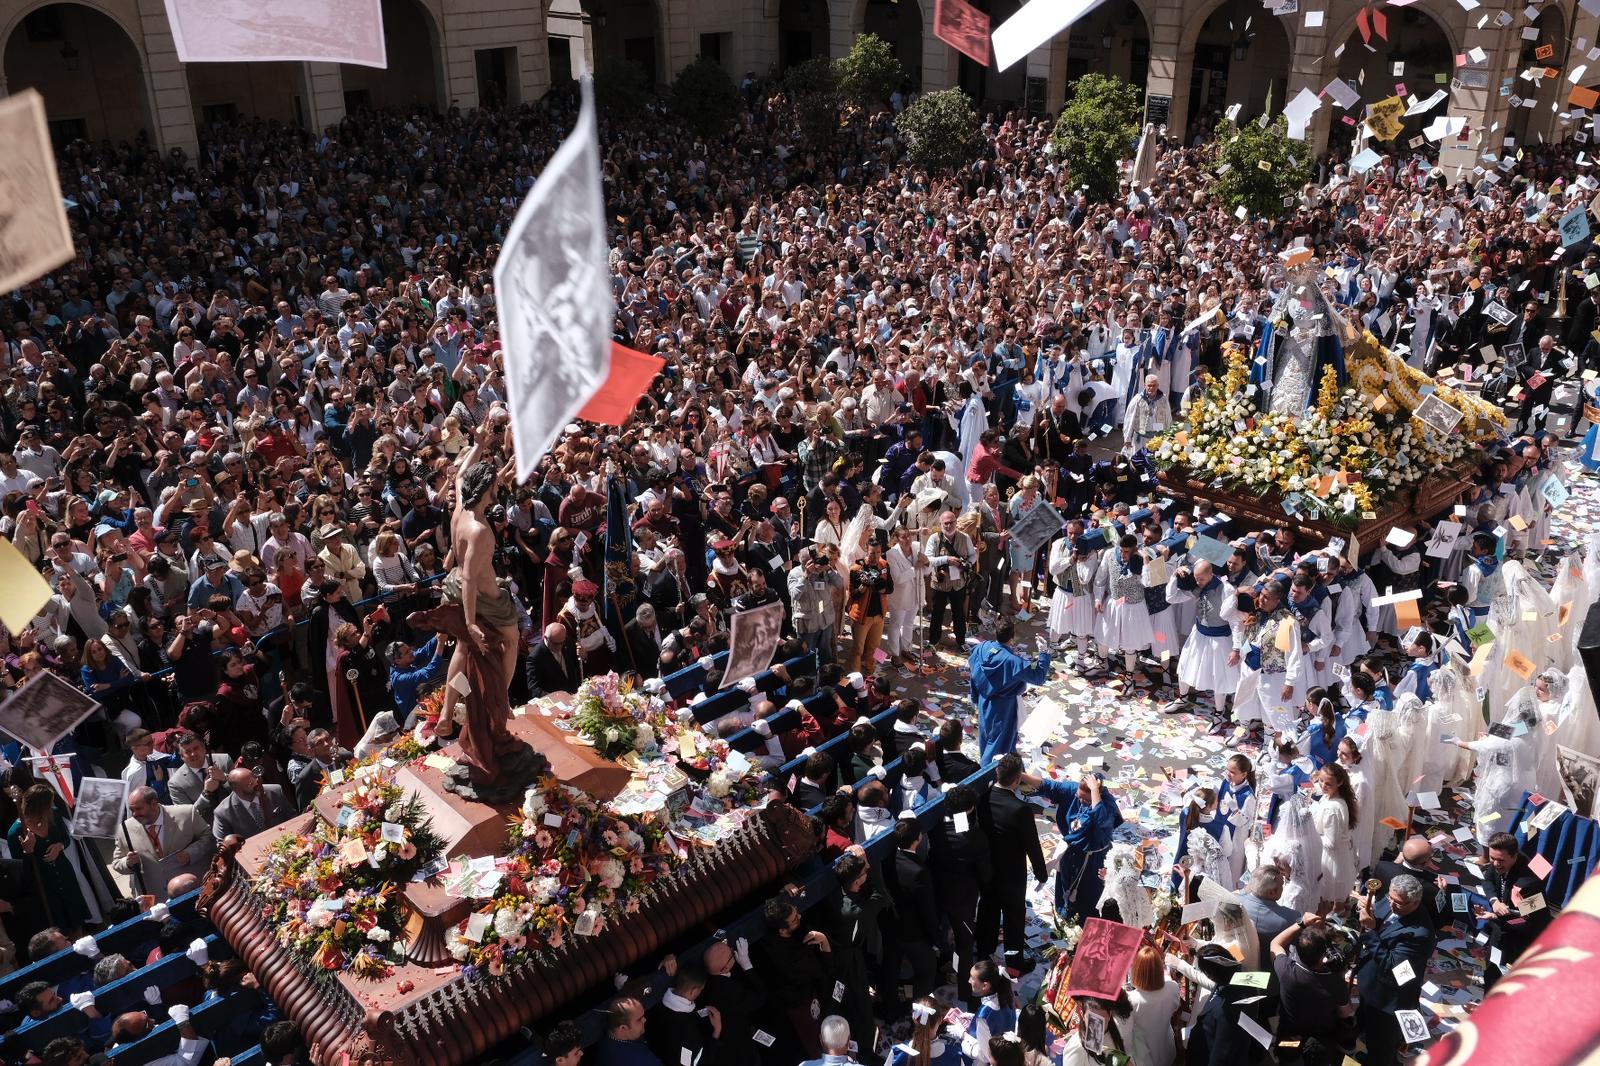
(1416, 858)
(667, 589)
(253, 807)
(816, 781)
(644, 636)
(1397, 936)
(1013, 845)
(954, 766)
(553, 664)
(676, 1032)
(1510, 884)
(737, 991)
(914, 927)
(959, 856)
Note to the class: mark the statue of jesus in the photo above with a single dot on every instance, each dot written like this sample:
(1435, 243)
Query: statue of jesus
(480, 613)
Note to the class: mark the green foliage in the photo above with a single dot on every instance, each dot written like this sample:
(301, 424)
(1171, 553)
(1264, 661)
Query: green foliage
(939, 129)
(870, 72)
(1096, 132)
(704, 97)
(813, 88)
(1245, 182)
(621, 88)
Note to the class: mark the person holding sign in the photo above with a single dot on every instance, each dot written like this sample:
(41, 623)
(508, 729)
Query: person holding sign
(1508, 759)
(41, 838)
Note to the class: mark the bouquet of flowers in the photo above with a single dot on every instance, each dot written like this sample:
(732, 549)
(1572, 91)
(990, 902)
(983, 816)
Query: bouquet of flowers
(330, 895)
(572, 866)
(607, 711)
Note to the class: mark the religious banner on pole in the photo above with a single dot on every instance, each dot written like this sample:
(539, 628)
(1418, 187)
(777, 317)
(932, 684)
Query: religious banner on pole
(555, 302)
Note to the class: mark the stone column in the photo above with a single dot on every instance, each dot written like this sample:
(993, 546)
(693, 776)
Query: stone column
(1483, 107)
(171, 111)
(1306, 72)
(326, 104)
(1170, 67)
(755, 39)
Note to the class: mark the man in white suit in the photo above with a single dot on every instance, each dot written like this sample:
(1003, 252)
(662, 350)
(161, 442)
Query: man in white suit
(158, 842)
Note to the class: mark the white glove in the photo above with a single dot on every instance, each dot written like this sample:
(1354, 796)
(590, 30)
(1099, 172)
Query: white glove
(611, 641)
(179, 1014)
(761, 728)
(82, 1000)
(654, 685)
(741, 953)
(158, 913)
(747, 686)
(86, 946)
(856, 681)
(152, 996)
(794, 705)
(619, 981)
(705, 662)
(198, 953)
(806, 753)
(954, 1033)
(876, 772)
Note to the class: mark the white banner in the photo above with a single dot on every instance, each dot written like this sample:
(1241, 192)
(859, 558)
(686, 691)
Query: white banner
(34, 238)
(555, 301)
(253, 31)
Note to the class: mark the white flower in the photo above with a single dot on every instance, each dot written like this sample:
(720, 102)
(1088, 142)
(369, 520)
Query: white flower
(459, 949)
(393, 813)
(506, 923)
(645, 737)
(612, 736)
(380, 934)
(720, 784)
(533, 804)
(612, 874)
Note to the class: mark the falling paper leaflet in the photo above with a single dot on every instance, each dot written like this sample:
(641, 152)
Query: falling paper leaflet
(962, 27)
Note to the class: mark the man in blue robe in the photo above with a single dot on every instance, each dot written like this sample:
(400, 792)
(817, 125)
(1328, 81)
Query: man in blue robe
(999, 677)
(1087, 815)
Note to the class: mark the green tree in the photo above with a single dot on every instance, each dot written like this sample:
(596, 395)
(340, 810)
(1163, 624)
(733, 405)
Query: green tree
(621, 88)
(870, 71)
(813, 88)
(705, 98)
(939, 129)
(1263, 165)
(1096, 132)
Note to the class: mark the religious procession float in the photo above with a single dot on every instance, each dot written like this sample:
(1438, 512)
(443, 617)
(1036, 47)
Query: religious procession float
(399, 921)
(1321, 427)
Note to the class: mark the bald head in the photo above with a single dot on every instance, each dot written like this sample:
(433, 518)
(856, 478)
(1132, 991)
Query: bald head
(1416, 851)
(244, 781)
(718, 959)
(555, 634)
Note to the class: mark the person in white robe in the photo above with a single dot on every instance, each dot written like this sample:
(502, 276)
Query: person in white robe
(1507, 762)
(1351, 759)
(1272, 665)
(1355, 620)
(1075, 605)
(1124, 621)
(1337, 817)
(1296, 849)
(1204, 663)
(909, 568)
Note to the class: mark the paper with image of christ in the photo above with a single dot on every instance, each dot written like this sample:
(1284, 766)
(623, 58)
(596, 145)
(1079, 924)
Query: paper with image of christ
(34, 236)
(962, 27)
(266, 31)
(555, 301)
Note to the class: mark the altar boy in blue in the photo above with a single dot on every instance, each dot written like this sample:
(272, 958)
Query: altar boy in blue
(999, 677)
(1087, 815)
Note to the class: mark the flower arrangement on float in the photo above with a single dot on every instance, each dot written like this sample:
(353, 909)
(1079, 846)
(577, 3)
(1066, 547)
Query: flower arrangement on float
(607, 711)
(571, 867)
(331, 894)
(1352, 452)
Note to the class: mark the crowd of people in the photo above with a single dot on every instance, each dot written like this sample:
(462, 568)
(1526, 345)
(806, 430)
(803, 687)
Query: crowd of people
(232, 427)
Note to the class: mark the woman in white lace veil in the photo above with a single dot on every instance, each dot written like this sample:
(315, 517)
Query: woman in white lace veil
(1297, 848)
(1123, 887)
(853, 545)
(1578, 725)
(1207, 857)
(1570, 588)
(1410, 737)
(1383, 759)
(1520, 595)
(1454, 710)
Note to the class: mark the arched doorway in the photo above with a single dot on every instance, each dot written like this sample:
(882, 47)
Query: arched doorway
(87, 68)
(1531, 111)
(627, 31)
(1241, 56)
(221, 92)
(900, 23)
(414, 77)
(1418, 55)
(802, 31)
(992, 89)
(1112, 39)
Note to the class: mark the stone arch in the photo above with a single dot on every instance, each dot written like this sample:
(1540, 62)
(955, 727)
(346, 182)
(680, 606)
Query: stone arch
(629, 31)
(1112, 39)
(803, 31)
(906, 24)
(1424, 44)
(413, 37)
(1527, 124)
(88, 61)
(1234, 52)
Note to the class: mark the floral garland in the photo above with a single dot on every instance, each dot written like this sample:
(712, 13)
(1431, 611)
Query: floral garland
(1353, 451)
(571, 866)
(331, 895)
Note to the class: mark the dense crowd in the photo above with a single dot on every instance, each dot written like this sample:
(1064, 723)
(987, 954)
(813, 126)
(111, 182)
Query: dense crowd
(231, 429)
